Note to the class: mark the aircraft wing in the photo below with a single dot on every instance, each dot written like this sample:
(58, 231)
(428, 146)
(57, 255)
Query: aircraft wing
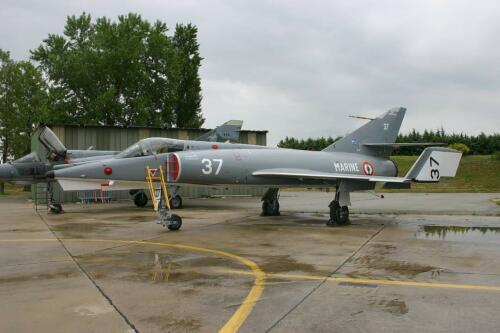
(431, 165)
(311, 174)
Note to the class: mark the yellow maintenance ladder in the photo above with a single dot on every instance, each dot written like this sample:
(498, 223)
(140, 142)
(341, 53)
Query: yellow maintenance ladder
(161, 198)
(152, 179)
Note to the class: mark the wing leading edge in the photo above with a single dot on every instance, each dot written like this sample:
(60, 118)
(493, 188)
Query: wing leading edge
(311, 174)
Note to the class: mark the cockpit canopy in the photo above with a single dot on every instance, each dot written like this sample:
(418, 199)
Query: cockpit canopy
(56, 149)
(151, 146)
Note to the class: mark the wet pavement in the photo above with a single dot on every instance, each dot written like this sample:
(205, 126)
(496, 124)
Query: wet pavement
(110, 268)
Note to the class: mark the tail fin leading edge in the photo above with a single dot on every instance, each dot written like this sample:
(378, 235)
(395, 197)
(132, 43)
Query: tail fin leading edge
(383, 129)
(229, 131)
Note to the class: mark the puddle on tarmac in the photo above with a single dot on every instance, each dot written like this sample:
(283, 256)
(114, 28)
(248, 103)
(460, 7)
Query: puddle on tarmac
(459, 234)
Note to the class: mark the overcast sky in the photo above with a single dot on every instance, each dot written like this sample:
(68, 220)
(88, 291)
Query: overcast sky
(298, 68)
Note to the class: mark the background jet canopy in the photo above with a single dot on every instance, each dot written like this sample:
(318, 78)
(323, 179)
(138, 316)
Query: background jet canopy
(151, 146)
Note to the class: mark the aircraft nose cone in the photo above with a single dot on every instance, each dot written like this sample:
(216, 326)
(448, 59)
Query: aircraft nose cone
(7, 172)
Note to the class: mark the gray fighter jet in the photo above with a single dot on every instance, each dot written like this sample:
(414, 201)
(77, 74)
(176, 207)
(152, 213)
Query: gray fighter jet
(31, 169)
(98, 175)
(356, 162)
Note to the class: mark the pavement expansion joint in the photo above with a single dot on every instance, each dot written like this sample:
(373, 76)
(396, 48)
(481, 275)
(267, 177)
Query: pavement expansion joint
(325, 278)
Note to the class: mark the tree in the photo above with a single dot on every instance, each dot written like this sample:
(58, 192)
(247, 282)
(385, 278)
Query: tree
(473, 144)
(308, 144)
(23, 105)
(187, 100)
(121, 73)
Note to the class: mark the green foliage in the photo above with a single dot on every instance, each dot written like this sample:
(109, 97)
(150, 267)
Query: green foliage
(481, 144)
(460, 147)
(476, 173)
(308, 144)
(496, 155)
(187, 87)
(23, 105)
(127, 72)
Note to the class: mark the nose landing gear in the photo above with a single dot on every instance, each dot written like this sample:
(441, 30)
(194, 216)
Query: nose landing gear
(161, 199)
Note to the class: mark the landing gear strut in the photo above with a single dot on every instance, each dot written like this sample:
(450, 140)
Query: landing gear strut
(270, 202)
(339, 212)
(53, 206)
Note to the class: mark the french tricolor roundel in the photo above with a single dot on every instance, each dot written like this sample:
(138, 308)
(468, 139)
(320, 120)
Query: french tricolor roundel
(367, 168)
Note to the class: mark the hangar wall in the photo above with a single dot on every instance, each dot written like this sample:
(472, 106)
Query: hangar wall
(119, 138)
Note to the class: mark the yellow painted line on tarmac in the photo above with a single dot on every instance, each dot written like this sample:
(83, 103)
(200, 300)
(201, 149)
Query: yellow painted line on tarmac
(239, 316)
(370, 281)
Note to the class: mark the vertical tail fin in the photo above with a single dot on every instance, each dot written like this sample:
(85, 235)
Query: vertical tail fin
(229, 131)
(383, 129)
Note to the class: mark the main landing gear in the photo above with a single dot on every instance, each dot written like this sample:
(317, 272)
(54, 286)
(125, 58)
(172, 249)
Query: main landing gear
(339, 212)
(141, 199)
(270, 202)
(175, 199)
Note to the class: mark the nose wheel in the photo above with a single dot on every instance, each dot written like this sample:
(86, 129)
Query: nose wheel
(175, 222)
(167, 219)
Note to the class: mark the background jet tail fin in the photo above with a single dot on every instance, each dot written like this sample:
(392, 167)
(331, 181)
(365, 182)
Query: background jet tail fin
(383, 129)
(229, 131)
(434, 163)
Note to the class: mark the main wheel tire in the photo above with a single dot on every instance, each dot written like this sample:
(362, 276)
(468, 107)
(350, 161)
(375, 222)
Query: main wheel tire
(342, 215)
(270, 208)
(176, 202)
(176, 222)
(140, 199)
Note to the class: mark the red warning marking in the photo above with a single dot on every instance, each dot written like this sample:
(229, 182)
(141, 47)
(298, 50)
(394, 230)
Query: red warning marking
(215, 146)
